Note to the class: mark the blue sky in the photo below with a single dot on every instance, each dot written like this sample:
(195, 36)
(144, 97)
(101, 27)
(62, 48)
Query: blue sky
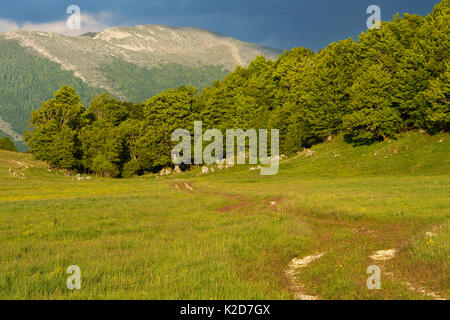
(278, 23)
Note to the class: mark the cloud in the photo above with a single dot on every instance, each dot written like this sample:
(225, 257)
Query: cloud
(283, 23)
(8, 25)
(89, 23)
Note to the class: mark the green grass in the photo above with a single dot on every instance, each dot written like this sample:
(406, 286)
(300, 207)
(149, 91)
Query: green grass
(142, 238)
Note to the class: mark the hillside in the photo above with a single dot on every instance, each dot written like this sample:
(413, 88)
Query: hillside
(307, 96)
(234, 234)
(27, 80)
(154, 58)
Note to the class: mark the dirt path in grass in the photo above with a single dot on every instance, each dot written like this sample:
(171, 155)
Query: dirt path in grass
(381, 256)
(293, 270)
(239, 204)
(325, 227)
(19, 170)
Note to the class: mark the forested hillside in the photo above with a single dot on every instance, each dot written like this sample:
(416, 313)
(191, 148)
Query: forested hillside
(26, 80)
(390, 80)
(139, 83)
(130, 63)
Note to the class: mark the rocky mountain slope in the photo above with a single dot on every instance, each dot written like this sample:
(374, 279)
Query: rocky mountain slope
(131, 63)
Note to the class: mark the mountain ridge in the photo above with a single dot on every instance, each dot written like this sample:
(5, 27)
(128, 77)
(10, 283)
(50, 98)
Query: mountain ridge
(146, 46)
(161, 57)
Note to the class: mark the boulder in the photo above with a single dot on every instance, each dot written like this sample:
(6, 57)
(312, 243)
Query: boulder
(205, 170)
(309, 153)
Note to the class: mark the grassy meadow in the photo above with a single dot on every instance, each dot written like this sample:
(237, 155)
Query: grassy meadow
(232, 234)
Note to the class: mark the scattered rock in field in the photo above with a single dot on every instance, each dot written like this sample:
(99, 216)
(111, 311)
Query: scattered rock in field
(309, 153)
(424, 292)
(329, 138)
(188, 186)
(212, 170)
(306, 152)
(205, 170)
(430, 234)
(442, 140)
(384, 255)
(272, 203)
(230, 164)
(165, 172)
(279, 158)
(17, 173)
(220, 167)
(177, 169)
(300, 296)
(255, 168)
(301, 263)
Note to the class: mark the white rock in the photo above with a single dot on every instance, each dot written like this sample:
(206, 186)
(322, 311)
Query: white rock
(383, 255)
(165, 172)
(301, 263)
(309, 153)
(205, 170)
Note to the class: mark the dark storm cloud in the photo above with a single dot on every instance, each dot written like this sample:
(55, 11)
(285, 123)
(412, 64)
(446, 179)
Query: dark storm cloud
(279, 23)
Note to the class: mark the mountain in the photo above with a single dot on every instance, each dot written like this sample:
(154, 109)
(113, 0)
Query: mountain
(130, 63)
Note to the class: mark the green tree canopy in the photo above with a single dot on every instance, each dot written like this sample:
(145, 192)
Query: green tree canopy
(7, 144)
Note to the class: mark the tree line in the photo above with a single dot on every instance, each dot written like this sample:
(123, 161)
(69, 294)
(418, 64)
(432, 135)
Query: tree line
(7, 144)
(392, 79)
(27, 79)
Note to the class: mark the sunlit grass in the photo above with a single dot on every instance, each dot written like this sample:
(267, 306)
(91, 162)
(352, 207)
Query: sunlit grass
(141, 238)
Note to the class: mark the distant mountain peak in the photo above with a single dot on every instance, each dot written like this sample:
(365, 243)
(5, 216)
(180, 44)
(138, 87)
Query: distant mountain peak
(129, 62)
(145, 45)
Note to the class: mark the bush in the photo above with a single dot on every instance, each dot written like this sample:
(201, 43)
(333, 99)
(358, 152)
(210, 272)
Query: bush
(131, 168)
(103, 167)
(370, 125)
